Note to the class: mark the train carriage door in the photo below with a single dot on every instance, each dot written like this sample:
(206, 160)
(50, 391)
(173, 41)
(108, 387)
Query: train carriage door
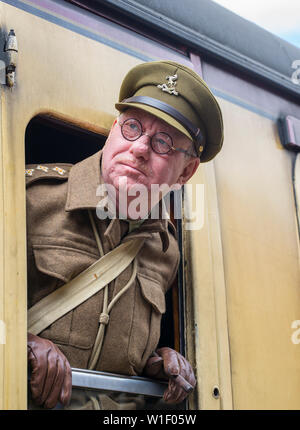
(261, 260)
(68, 76)
(68, 69)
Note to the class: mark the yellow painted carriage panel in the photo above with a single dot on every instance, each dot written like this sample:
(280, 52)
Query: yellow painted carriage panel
(2, 316)
(261, 261)
(206, 284)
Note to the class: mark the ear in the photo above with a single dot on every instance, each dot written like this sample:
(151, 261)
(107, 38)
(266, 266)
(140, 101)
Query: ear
(189, 169)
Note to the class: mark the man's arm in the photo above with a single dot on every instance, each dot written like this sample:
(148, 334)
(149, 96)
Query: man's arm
(51, 375)
(166, 363)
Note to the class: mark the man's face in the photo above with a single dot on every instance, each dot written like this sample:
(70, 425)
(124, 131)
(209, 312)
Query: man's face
(136, 160)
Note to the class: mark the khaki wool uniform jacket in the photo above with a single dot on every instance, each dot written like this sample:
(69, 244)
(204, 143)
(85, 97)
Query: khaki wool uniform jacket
(61, 244)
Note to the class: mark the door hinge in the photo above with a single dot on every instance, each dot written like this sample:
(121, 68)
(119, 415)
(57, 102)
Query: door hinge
(11, 49)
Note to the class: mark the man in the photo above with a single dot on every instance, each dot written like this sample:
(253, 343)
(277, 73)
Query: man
(169, 123)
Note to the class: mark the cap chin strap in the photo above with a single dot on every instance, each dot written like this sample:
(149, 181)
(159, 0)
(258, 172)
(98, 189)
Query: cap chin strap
(164, 107)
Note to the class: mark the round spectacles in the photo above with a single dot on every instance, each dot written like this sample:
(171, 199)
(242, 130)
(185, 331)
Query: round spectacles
(160, 142)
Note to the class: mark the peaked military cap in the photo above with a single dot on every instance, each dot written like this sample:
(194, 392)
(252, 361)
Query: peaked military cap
(177, 95)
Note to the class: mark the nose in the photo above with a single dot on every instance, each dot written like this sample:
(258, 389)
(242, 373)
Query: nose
(141, 147)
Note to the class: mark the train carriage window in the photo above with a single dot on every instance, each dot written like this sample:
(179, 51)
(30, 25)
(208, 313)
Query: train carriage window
(50, 140)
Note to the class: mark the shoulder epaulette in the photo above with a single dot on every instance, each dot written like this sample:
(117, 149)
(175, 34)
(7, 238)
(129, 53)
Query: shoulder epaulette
(36, 172)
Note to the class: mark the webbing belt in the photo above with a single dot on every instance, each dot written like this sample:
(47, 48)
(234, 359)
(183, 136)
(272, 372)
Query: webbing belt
(83, 286)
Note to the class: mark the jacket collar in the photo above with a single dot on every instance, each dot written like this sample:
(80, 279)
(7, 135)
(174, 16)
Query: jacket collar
(84, 180)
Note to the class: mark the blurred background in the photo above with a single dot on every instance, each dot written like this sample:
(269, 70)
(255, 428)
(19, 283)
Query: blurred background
(277, 16)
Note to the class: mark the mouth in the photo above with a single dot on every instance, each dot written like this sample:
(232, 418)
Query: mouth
(133, 166)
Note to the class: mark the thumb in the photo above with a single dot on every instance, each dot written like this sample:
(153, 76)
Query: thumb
(154, 367)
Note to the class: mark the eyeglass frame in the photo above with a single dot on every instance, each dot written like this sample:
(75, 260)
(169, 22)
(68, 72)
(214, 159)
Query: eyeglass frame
(172, 148)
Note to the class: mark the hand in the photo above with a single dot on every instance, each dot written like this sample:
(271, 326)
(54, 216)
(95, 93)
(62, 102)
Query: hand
(51, 375)
(166, 363)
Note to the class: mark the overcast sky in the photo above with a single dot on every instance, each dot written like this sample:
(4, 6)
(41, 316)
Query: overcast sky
(281, 17)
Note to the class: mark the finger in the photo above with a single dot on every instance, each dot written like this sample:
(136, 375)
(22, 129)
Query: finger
(179, 397)
(179, 388)
(187, 373)
(56, 387)
(180, 394)
(177, 394)
(38, 373)
(154, 367)
(168, 393)
(154, 362)
(66, 391)
(52, 369)
(170, 358)
(174, 394)
(181, 382)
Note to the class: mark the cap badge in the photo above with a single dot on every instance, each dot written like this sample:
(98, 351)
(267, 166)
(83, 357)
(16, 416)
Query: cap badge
(170, 86)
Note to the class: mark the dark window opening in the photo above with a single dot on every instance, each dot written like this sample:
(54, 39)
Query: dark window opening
(49, 140)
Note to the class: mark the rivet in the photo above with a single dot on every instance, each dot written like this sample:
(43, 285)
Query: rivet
(216, 392)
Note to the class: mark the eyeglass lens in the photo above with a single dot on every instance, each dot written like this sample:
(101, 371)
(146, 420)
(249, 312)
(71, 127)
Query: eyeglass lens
(132, 130)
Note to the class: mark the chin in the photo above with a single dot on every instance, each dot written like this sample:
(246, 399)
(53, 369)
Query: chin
(127, 183)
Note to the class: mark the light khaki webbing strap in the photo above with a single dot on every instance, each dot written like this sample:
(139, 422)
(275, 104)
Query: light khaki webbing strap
(83, 286)
(104, 319)
(104, 316)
